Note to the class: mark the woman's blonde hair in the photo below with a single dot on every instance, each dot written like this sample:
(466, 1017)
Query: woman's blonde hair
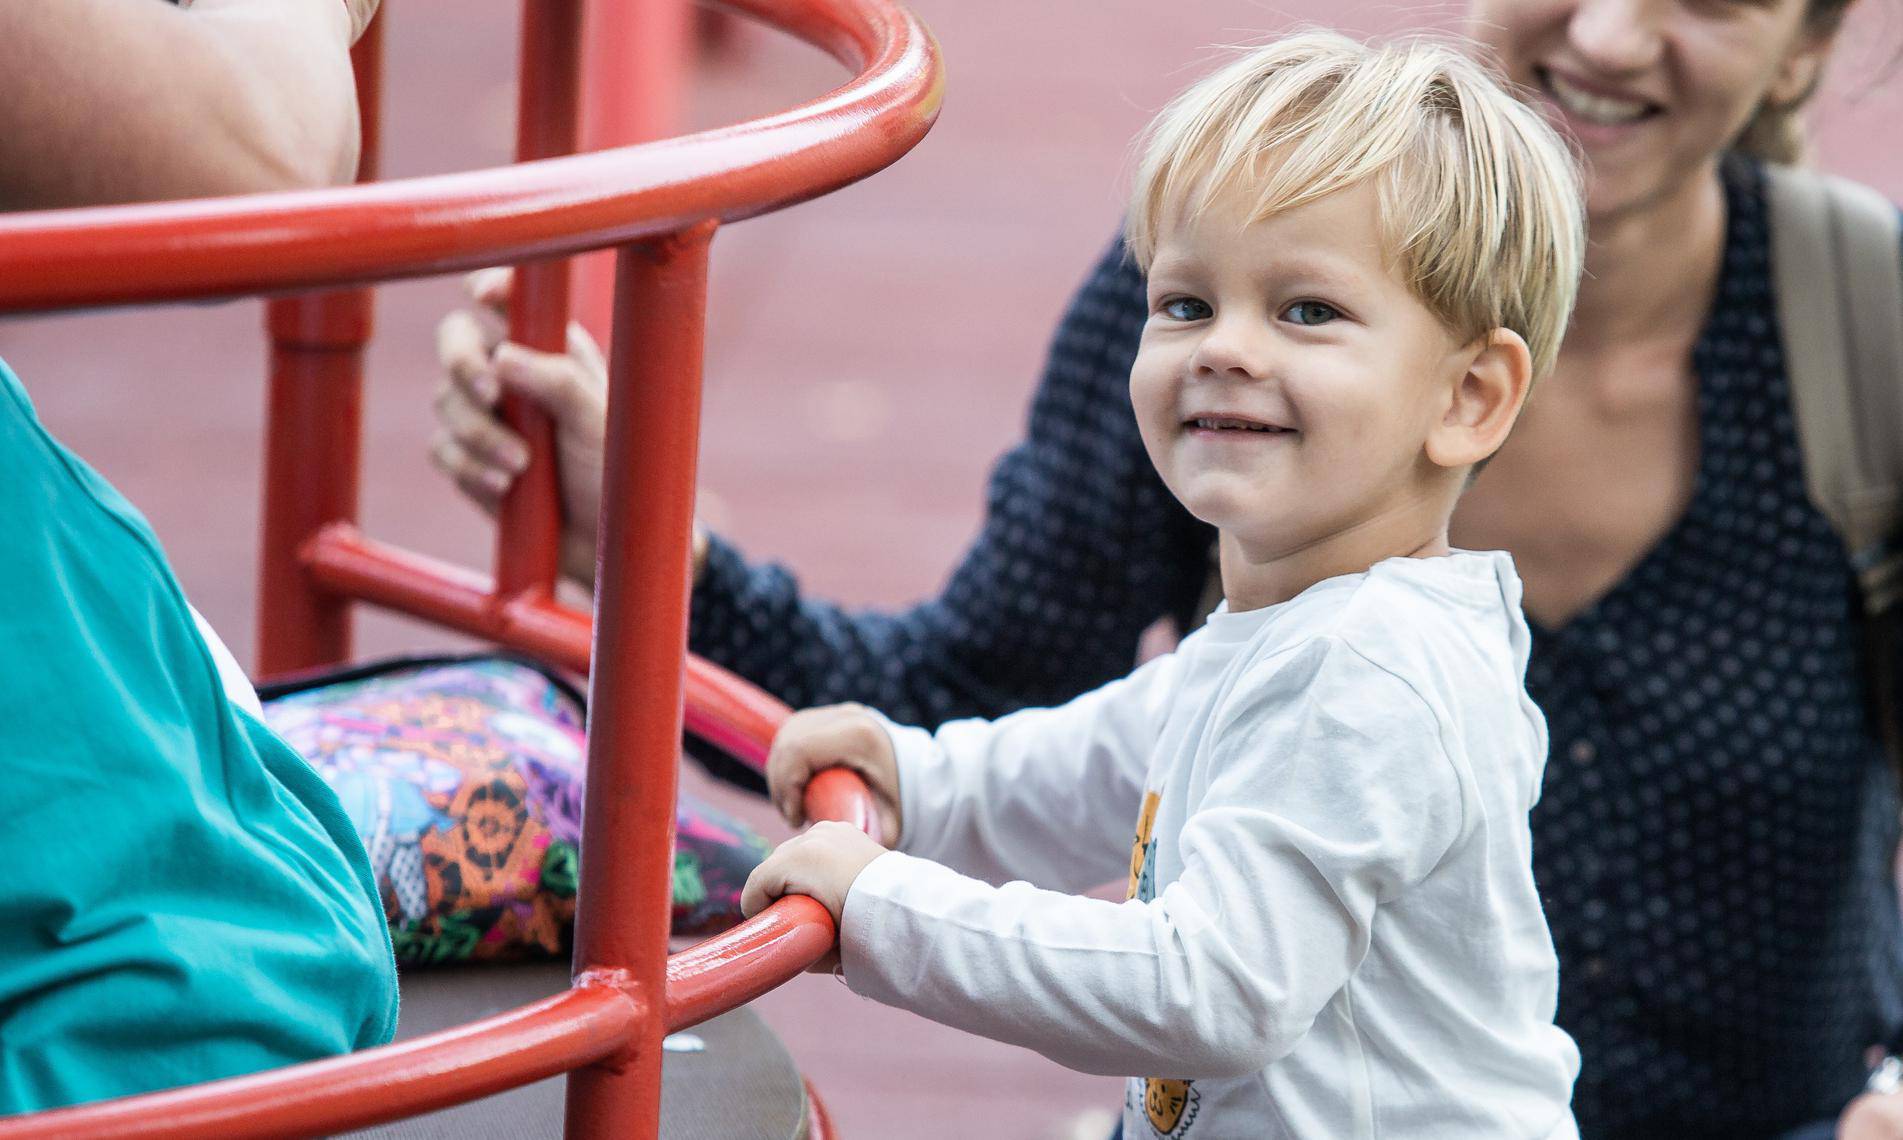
(1480, 199)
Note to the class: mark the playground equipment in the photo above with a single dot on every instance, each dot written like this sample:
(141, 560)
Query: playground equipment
(658, 206)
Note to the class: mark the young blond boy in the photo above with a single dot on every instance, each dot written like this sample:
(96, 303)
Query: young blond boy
(1359, 260)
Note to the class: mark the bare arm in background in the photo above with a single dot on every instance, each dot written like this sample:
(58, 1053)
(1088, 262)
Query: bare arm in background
(127, 100)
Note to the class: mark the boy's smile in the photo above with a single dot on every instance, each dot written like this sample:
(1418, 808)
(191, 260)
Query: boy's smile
(1288, 379)
(1218, 425)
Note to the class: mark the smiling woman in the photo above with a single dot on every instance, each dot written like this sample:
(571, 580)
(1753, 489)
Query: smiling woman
(1645, 89)
(1713, 836)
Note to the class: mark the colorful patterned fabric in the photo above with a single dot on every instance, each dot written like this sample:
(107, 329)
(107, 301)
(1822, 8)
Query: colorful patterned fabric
(464, 779)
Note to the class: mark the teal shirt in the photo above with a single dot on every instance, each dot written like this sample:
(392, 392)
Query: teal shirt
(181, 897)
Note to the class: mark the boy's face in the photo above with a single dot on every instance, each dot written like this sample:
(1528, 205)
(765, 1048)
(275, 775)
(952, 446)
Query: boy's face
(1287, 378)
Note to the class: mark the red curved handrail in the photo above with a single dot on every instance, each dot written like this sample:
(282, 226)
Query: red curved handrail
(543, 1039)
(535, 210)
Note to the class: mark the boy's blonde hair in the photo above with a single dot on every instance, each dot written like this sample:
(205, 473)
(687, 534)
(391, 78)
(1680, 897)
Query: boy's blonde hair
(1480, 199)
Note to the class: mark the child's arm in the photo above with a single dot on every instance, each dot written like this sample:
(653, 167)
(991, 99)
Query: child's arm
(1327, 793)
(124, 100)
(1048, 795)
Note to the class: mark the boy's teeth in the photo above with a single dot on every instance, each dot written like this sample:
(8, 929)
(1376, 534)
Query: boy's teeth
(1600, 109)
(1218, 425)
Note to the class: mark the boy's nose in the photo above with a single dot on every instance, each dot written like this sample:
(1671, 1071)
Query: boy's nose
(1228, 353)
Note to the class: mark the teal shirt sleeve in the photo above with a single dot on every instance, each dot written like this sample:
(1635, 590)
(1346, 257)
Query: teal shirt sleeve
(181, 897)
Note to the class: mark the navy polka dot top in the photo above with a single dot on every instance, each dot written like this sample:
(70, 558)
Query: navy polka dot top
(1713, 838)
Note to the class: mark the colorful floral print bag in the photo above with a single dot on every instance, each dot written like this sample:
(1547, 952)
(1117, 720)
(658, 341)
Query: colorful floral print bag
(463, 775)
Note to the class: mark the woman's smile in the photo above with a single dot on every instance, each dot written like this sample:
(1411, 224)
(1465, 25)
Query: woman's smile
(1595, 113)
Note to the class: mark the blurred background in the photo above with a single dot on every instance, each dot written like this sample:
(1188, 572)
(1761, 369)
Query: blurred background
(869, 355)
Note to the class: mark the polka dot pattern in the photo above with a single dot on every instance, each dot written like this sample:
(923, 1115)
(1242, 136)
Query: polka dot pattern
(1712, 842)
(1713, 835)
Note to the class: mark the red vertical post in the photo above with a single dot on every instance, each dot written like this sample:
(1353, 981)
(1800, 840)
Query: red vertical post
(634, 72)
(529, 529)
(641, 594)
(313, 438)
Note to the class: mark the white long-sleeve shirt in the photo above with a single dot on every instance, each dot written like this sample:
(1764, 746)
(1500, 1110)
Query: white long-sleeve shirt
(1333, 930)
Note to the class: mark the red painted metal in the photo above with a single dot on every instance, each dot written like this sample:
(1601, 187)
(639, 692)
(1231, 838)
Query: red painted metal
(660, 203)
(311, 466)
(838, 793)
(718, 705)
(642, 580)
(366, 59)
(311, 461)
(539, 1040)
(733, 968)
(636, 55)
(819, 1122)
(529, 524)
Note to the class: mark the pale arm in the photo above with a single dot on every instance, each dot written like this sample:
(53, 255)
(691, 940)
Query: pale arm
(124, 100)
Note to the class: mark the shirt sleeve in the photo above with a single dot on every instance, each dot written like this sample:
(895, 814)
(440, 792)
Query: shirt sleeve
(1328, 793)
(1046, 795)
(1081, 549)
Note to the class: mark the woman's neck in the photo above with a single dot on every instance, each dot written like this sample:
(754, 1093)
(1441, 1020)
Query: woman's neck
(1651, 272)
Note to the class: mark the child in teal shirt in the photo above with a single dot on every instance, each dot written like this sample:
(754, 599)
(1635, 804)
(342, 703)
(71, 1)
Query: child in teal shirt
(181, 897)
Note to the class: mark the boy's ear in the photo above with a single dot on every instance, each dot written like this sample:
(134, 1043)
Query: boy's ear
(1484, 401)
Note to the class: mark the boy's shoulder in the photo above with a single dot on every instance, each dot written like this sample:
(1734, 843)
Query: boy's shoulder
(1433, 621)
(1412, 650)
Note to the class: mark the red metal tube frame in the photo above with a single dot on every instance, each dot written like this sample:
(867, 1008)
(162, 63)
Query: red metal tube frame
(548, 114)
(536, 210)
(588, 1023)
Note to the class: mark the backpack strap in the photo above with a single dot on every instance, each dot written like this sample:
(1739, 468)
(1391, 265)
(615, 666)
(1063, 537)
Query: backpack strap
(1835, 249)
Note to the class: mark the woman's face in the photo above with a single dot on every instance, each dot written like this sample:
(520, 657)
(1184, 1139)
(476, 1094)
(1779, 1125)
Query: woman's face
(1653, 90)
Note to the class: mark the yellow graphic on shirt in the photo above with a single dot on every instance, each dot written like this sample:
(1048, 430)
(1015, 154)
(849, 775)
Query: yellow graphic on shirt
(1144, 851)
(1169, 1105)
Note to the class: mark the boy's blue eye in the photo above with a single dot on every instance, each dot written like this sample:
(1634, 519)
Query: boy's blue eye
(1186, 309)
(1310, 313)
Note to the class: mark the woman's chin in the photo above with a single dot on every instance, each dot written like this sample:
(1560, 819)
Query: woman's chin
(1619, 186)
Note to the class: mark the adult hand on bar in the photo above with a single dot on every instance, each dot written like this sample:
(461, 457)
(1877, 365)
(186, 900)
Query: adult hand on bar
(482, 455)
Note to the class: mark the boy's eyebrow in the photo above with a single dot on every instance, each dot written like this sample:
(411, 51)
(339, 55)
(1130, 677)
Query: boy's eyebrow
(1309, 266)
(1167, 264)
(1314, 266)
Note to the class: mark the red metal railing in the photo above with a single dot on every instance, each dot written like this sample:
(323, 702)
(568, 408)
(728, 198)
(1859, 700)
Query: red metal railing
(657, 205)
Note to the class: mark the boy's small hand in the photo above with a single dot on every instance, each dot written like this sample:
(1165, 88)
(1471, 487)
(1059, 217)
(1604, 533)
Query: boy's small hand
(837, 736)
(821, 863)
